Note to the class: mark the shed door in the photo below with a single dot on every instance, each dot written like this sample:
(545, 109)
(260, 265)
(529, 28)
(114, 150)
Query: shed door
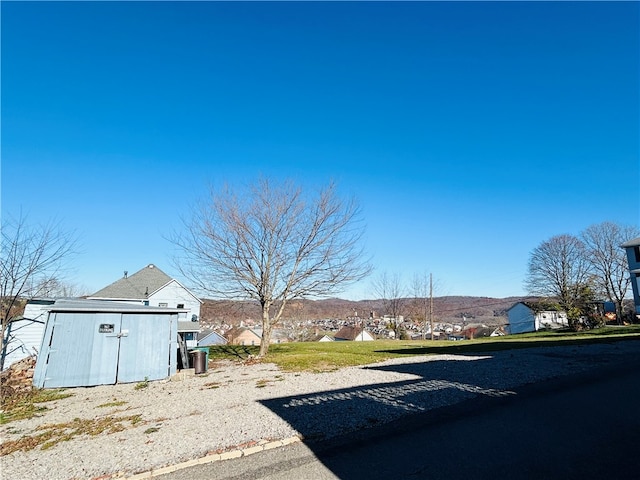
(79, 355)
(144, 347)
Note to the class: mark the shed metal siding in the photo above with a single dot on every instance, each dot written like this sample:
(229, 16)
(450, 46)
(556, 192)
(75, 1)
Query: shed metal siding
(100, 348)
(145, 350)
(74, 352)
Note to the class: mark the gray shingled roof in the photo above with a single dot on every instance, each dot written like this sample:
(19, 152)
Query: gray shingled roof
(137, 286)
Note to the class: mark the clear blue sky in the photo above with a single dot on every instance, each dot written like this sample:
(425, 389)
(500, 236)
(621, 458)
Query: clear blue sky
(469, 132)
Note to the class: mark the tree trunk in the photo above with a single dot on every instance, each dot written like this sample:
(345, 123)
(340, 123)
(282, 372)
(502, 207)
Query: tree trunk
(266, 332)
(3, 345)
(619, 311)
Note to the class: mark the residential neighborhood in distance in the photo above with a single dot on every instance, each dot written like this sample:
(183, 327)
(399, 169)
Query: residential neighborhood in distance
(140, 314)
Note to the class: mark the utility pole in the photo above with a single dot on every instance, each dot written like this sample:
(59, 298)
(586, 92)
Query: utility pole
(431, 303)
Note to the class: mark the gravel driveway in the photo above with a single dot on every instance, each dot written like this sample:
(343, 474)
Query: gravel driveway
(235, 406)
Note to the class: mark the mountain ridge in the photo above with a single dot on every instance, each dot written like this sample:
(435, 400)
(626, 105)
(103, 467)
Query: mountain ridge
(454, 308)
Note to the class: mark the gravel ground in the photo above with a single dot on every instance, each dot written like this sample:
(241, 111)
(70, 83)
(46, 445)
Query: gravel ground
(234, 406)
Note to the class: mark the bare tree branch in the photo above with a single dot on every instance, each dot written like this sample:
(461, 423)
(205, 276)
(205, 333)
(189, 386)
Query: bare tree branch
(272, 243)
(31, 262)
(390, 289)
(608, 260)
(558, 268)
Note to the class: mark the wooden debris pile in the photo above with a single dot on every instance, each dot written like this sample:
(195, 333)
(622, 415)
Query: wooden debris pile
(18, 377)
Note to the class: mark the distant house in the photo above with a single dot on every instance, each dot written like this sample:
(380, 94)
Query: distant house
(426, 335)
(207, 338)
(632, 248)
(479, 330)
(323, 338)
(533, 316)
(320, 337)
(278, 335)
(253, 336)
(498, 332)
(151, 286)
(355, 334)
(242, 336)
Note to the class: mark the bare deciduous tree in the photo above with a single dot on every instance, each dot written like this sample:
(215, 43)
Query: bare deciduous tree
(57, 288)
(420, 302)
(31, 259)
(389, 288)
(272, 242)
(422, 287)
(558, 268)
(608, 260)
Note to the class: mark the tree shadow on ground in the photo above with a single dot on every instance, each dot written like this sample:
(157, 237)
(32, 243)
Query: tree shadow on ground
(431, 394)
(240, 352)
(323, 417)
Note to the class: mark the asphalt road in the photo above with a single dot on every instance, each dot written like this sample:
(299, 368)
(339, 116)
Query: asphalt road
(583, 427)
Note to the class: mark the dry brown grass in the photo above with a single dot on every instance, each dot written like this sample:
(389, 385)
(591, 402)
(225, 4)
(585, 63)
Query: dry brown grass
(52, 434)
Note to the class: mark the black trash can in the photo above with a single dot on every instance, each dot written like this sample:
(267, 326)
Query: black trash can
(199, 361)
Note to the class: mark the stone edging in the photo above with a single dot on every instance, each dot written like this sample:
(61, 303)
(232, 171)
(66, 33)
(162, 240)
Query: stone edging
(215, 457)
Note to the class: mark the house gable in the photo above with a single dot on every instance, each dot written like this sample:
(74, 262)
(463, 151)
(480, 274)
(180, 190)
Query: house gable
(174, 295)
(322, 338)
(521, 318)
(210, 337)
(175, 290)
(151, 286)
(353, 334)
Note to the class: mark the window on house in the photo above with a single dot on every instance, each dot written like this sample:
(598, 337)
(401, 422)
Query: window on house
(180, 305)
(636, 251)
(163, 304)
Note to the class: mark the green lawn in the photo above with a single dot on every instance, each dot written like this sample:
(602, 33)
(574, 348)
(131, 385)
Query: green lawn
(326, 356)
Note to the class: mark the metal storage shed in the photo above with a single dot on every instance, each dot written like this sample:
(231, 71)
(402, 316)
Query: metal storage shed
(92, 342)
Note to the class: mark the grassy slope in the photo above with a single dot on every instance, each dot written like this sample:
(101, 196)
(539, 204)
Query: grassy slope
(324, 356)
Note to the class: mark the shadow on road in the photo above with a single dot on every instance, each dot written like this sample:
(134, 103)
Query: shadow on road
(460, 418)
(322, 416)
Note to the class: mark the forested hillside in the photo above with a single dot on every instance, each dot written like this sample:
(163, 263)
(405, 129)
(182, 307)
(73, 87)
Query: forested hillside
(454, 309)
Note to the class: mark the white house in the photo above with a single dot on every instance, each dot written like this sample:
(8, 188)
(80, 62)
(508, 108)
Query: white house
(533, 316)
(25, 334)
(632, 248)
(355, 334)
(151, 286)
(207, 338)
